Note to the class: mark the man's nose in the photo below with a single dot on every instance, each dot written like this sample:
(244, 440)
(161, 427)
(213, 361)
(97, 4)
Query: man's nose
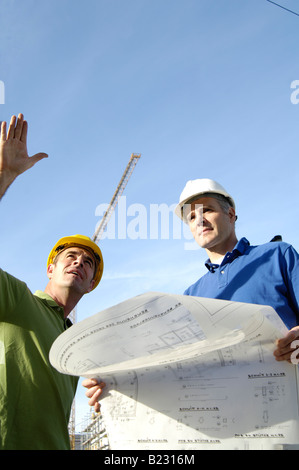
(199, 216)
(79, 260)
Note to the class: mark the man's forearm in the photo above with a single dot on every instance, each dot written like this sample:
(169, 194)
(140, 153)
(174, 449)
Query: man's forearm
(5, 181)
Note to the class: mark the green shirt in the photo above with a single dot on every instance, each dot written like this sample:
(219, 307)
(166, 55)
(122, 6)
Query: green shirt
(35, 399)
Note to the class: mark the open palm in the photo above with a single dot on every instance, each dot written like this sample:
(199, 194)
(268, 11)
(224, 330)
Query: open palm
(14, 158)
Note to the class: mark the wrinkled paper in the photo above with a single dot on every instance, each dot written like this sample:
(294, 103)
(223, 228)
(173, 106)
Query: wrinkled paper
(186, 373)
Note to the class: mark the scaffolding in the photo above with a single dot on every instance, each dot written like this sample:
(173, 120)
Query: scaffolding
(94, 434)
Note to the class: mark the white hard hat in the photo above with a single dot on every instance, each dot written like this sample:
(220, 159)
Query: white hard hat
(199, 187)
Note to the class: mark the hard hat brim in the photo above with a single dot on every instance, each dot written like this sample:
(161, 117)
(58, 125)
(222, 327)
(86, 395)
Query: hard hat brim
(194, 195)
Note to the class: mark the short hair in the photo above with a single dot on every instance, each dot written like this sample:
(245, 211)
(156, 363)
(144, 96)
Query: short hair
(223, 201)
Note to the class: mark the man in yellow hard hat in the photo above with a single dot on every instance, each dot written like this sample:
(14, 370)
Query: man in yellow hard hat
(35, 399)
(74, 268)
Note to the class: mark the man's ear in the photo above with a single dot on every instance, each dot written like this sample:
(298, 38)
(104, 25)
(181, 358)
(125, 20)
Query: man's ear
(91, 286)
(232, 214)
(50, 269)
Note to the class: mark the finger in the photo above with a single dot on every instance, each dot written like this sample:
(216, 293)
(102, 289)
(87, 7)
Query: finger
(96, 389)
(11, 129)
(3, 131)
(38, 157)
(89, 382)
(279, 358)
(282, 353)
(286, 349)
(34, 159)
(289, 354)
(95, 397)
(97, 407)
(291, 336)
(23, 136)
(284, 357)
(284, 346)
(91, 391)
(19, 126)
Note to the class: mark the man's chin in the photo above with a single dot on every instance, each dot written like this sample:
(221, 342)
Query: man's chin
(204, 241)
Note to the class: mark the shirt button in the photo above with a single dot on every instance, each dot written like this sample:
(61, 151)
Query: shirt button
(222, 272)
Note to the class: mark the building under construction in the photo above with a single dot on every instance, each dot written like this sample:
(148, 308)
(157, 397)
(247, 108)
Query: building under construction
(93, 435)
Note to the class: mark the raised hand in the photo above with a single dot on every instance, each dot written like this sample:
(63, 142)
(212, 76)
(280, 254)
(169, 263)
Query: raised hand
(14, 158)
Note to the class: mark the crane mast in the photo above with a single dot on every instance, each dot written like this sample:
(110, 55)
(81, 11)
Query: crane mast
(118, 192)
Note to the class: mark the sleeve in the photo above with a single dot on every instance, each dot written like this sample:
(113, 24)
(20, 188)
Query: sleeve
(291, 273)
(11, 293)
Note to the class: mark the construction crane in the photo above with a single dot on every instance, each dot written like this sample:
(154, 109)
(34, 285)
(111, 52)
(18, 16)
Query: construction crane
(105, 219)
(118, 192)
(96, 237)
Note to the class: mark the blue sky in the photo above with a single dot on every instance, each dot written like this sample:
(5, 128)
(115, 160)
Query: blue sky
(201, 88)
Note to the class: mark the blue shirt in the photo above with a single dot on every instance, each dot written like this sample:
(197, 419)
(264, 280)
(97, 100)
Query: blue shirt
(266, 274)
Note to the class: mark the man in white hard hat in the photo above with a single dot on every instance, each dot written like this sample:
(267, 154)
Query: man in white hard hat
(267, 274)
(35, 399)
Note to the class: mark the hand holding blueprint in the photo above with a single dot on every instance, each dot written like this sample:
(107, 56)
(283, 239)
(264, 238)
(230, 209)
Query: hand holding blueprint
(186, 373)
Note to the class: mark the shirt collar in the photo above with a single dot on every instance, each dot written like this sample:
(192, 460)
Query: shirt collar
(239, 250)
(47, 299)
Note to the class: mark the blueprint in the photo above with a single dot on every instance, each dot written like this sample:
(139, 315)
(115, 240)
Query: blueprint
(186, 373)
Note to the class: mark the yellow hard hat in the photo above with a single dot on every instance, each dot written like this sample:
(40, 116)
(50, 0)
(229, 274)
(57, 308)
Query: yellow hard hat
(85, 242)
